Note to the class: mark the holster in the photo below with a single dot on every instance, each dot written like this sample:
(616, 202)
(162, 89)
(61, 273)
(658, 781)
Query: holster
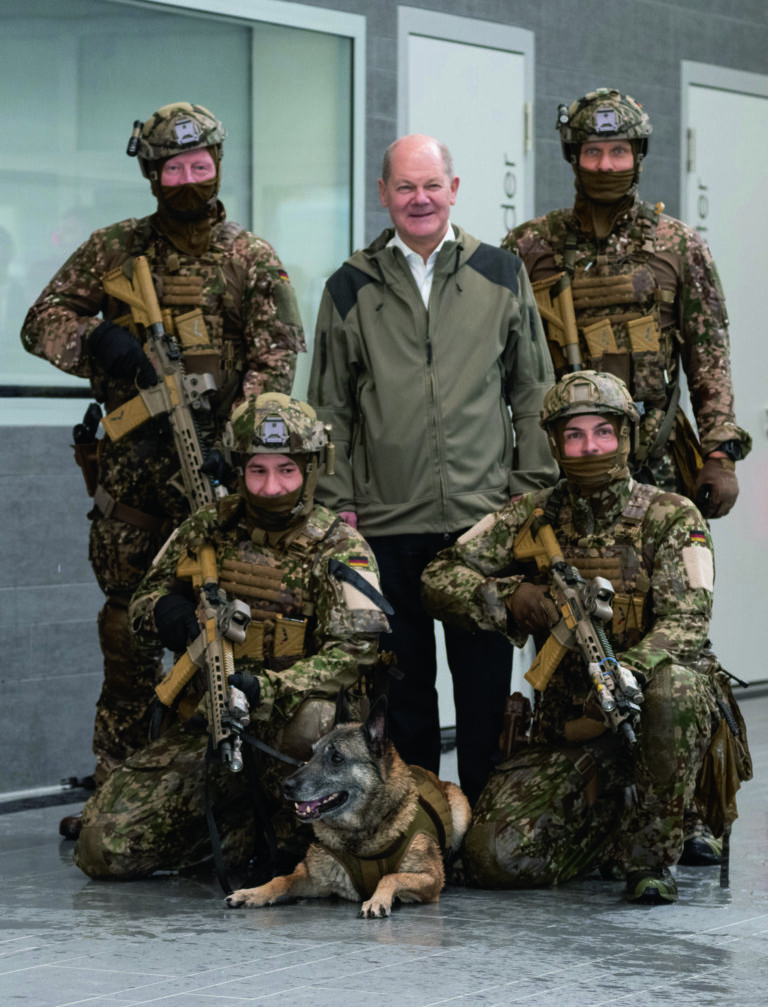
(86, 458)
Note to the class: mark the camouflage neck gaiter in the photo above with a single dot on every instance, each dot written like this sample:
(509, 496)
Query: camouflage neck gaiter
(187, 213)
(590, 473)
(601, 198)
(600, 508)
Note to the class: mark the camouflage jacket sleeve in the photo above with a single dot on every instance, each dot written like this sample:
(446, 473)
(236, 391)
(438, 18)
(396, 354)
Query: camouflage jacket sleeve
(468, 584)
(705, 340)
(529, 376)
(62, 318)
(271, 322)
(346, 633)
(682, 580)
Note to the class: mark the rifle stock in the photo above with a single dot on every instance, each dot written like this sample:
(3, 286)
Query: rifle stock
(554, 299)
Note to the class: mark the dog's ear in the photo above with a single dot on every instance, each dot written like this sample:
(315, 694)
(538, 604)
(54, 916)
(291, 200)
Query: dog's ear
(341, 714)
(375, 727)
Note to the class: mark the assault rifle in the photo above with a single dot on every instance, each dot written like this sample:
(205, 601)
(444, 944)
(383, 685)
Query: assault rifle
(584, 606)
(177, 395)
(224, 623)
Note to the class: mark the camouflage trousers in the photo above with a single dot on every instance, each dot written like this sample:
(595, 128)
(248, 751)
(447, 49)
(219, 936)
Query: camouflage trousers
(137, 472)
(149, 815)
(548, 814)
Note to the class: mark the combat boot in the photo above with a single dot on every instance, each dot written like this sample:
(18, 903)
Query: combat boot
(700, 848)
(651, 887)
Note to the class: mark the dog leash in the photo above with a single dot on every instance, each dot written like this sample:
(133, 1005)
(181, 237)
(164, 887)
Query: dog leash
(260, 812)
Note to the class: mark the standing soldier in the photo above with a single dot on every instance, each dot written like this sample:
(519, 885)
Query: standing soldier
(646, 301)
(235, 316)
(624, 288)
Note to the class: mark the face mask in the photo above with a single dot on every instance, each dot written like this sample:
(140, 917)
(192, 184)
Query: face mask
(606, 187)
(189, 202)
(591, 473)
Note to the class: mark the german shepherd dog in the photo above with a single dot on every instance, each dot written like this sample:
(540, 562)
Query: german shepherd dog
(378, 824)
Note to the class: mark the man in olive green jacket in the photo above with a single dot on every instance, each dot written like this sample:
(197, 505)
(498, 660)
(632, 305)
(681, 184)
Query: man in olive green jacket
(431, 365)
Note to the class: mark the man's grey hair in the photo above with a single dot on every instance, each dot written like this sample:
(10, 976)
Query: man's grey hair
(386, 167)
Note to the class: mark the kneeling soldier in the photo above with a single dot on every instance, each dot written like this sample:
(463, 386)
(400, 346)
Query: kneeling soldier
(304, 614)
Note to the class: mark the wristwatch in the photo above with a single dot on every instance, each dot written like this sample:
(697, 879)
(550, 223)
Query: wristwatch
(731, 449)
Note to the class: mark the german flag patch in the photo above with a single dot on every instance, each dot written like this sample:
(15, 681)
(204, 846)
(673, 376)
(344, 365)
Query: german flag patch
(698, 538)
(358, 562)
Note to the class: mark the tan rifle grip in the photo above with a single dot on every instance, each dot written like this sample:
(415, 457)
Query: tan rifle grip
(181, 673)
(543, 667)
(125, 418)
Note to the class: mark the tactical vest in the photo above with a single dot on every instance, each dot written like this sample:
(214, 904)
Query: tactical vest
(432, 818)
(617, 301)
(620, 562)
(280, 614)
(203, 296)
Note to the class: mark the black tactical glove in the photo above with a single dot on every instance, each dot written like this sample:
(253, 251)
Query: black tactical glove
(716, 487)
(120, 354)
(248, 685)
(532, 608)
(175, 621)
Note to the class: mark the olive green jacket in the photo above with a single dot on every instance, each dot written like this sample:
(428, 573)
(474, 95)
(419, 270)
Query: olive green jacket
(434, 412)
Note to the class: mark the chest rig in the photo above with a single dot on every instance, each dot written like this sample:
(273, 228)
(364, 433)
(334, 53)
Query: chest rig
(618, 302)
(278, 596)
(620, 560)
(200, 299)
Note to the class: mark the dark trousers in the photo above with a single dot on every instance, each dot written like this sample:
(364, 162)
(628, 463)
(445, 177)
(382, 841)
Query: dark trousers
(480, 665)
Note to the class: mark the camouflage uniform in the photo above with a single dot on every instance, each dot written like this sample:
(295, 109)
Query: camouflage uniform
(253, 336)
(653, 278)
(557, 807)
(148, 816)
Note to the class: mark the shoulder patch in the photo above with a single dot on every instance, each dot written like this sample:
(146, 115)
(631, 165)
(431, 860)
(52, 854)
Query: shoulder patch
(497, 265)
(344, 287)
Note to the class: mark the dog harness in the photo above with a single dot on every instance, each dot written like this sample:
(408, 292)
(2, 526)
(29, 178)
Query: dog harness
(432, 818)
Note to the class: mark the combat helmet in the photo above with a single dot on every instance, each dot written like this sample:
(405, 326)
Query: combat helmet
(602, 114)
(590, 392)
(587, 392)
(175, 129)
(273, 423)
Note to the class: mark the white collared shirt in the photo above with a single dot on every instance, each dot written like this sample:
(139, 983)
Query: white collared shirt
(422, 271)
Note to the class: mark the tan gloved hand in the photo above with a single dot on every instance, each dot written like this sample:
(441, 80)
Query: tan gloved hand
(716, 487)
(532, 608)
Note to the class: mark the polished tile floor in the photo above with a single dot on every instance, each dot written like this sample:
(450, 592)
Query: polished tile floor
(170, 941)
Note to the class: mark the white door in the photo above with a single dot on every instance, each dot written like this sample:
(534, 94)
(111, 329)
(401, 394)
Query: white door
(725, 125)
(470, 84)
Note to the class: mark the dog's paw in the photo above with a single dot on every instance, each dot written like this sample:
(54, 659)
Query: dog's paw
(375, 909)
(251, 898)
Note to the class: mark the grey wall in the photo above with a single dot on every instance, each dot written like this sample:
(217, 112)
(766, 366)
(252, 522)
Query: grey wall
(50, 664)
(48, 598)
